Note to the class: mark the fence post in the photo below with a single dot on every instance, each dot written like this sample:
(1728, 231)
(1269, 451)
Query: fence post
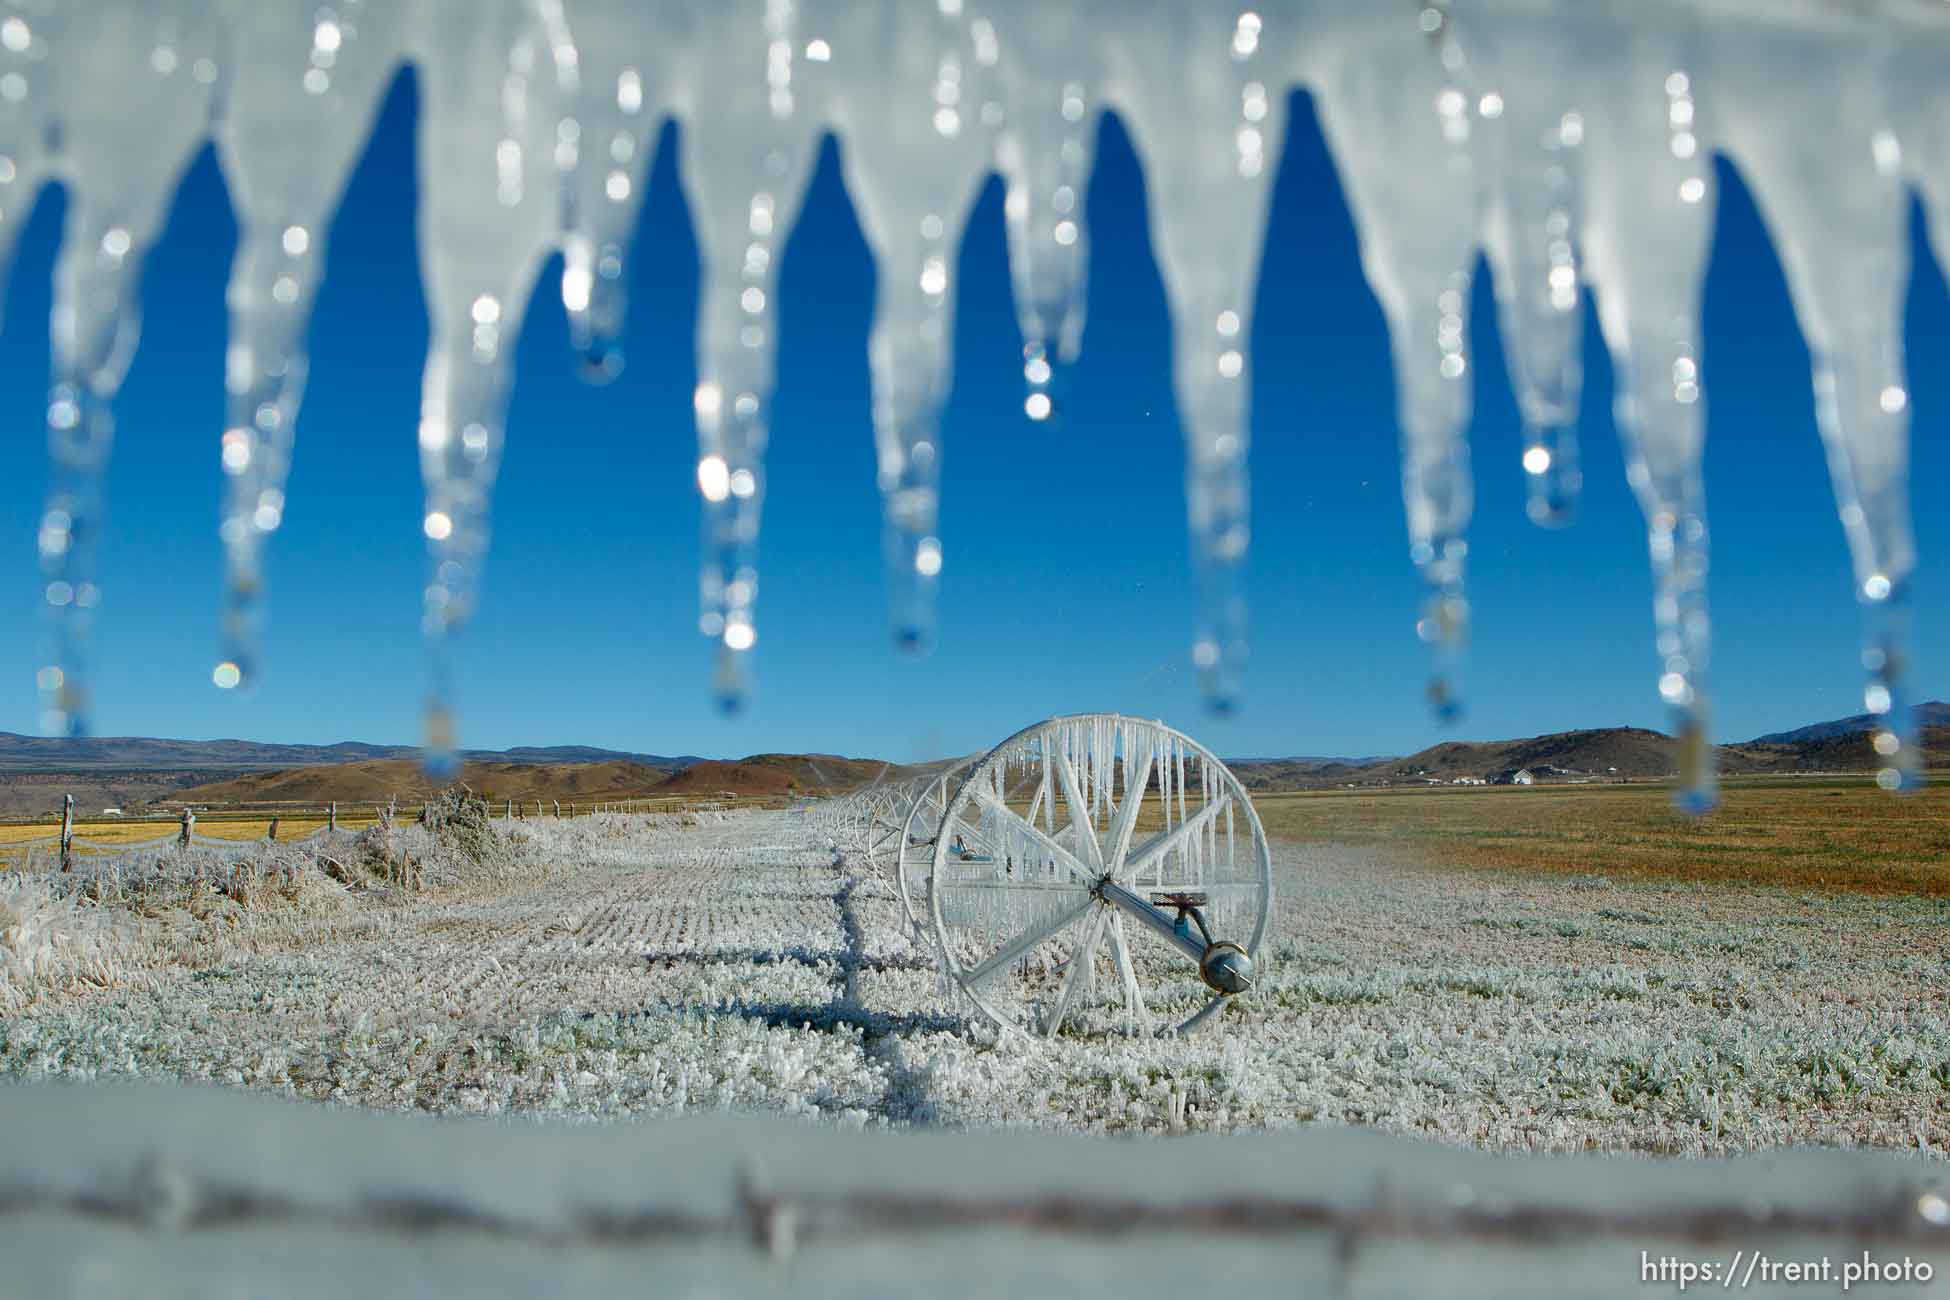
(558, 807)
(572, 810)
(67, 832)
(332, 816)
(272, 837)
(189, 828)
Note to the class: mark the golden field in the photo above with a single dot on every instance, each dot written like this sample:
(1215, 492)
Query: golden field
(1812, 833)
(1835, 833)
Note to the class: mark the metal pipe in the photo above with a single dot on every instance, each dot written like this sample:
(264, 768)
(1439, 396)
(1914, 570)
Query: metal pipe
(1112, 892)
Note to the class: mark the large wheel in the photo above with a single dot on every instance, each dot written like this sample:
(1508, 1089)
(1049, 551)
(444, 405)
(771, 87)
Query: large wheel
(886, 813)
(1100, 844)
(921, 828)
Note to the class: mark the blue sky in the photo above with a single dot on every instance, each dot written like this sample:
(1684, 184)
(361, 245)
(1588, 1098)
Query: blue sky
(1066, 586)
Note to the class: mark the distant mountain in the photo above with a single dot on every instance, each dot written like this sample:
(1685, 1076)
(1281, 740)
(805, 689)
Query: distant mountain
(1314, 760)
(141, 753)
(377, 780)
(1935, 713)
(1606, 753)
(781, 774)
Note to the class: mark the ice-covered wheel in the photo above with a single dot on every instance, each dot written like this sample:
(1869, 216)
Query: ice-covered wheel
(1100, 871)
(926, 813)
(886, 814)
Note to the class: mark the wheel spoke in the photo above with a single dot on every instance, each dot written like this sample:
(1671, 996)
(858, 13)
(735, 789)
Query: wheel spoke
(1127, 975)
(1125, 821)
(992, 804)
(1019, 946)
(1162, 844)
(1203, 1014)
(1081, 963)
(1080, 824)
(1036, 804)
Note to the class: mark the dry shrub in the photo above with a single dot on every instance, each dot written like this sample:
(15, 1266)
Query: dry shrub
(48, 942)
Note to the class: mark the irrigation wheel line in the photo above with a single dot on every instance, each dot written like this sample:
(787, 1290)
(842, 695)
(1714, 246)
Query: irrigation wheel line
(1075, 877)
(886, 817)
(927, 814)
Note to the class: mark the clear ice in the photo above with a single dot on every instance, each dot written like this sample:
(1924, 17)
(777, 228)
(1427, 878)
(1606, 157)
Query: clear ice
(286, 157)
(1571, 145)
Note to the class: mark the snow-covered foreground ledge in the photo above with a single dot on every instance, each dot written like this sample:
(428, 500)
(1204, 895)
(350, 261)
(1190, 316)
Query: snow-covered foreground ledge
(201, 1192)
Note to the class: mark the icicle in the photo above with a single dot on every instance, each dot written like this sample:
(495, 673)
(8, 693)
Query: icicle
(491, 98)
(1049, 798)
(907, 90)
(1924, 47)
(1827, 171)
(1523, 77)
(1649, 226)
(1046, 61)
(303, 89)
(747, 155)
(1209, 118)
(605, 149)
(1401, 142)
(108, 62)
(24, 162)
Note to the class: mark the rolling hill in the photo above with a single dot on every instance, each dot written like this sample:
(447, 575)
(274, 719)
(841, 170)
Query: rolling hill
(1932, 713)
(778, 775)
(134, 753)
(130, 771)
(377, 780)
(1629, 753)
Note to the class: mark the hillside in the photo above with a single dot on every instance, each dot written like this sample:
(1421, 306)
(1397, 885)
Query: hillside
(777, 775)
(136, 753)
(1608, 753)
(1930, 714)
(1849, 752)
(377, 780)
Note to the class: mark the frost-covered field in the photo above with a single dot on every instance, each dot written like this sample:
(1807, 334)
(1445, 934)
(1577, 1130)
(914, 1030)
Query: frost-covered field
(613, 967)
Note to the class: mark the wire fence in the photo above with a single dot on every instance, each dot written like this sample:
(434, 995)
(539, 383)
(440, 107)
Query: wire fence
(243, 830)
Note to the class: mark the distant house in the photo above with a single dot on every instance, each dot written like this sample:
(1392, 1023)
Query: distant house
(1523, 776)
(1513, 776)
(111, 812)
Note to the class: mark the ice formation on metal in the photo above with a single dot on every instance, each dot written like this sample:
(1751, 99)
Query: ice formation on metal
(1569, 144)
(1072, 835)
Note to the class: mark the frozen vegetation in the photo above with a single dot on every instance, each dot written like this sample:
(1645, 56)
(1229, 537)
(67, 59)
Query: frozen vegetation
(625, 966)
